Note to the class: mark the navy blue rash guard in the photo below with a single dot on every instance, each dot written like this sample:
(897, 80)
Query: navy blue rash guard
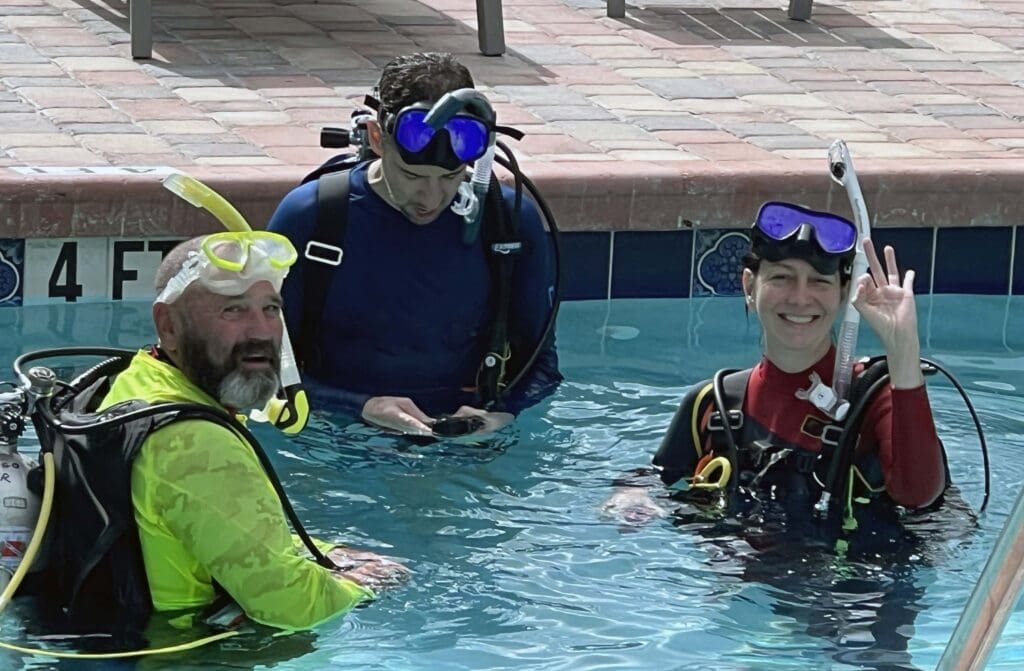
(409, 308)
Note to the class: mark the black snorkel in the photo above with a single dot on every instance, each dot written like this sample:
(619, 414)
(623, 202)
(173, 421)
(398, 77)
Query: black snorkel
(471, 197)
(483, 186)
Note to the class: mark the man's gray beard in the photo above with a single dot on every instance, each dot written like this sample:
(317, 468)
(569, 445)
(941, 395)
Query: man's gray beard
(243, 390)
(230, 383)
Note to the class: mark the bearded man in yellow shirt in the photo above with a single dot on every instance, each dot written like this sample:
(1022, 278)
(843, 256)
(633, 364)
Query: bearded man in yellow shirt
(209, 520)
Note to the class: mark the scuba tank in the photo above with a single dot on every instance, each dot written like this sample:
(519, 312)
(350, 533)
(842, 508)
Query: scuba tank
(19, 505)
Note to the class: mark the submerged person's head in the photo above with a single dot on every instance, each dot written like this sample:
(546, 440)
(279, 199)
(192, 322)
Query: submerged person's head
(795, 279)
(422, 168)
(218, 314)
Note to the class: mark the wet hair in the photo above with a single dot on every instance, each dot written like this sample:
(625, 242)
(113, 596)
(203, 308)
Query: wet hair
(420, 77)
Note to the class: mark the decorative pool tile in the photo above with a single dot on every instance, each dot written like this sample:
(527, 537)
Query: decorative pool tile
(12, 269)
(718, 260)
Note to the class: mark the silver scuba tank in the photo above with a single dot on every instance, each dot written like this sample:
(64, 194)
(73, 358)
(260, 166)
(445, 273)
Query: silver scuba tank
(19, 505)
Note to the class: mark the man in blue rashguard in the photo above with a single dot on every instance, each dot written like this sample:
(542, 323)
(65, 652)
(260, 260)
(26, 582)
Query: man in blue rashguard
(406, 332)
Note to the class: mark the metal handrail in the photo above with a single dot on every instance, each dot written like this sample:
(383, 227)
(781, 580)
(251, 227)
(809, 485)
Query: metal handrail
(991, 602)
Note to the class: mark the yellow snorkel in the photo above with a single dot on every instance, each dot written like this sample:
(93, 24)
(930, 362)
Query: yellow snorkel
(291, 413)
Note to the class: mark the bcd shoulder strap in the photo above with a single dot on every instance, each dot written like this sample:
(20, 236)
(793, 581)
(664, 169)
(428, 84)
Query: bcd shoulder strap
(734, 388)
(328, 238)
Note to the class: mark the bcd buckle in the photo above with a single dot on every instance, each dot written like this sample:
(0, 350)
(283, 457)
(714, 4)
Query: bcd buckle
(735, 420)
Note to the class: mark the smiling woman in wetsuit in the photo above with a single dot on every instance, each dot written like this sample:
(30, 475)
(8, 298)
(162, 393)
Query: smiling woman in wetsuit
(778, 446)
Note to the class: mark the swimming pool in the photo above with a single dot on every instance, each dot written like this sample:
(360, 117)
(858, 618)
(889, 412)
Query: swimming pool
(514, 566)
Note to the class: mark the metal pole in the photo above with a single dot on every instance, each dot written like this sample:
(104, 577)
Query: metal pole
(992, 600)
(140, 26)
(800, 10)
(490, 27)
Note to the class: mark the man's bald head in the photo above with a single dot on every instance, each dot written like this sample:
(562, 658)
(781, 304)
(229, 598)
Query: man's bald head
(175, 259)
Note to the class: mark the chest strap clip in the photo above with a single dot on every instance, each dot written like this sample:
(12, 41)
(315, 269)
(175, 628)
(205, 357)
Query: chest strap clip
(735, 420)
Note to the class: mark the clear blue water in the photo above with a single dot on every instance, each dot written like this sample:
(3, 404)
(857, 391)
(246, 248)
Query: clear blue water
(515, 568)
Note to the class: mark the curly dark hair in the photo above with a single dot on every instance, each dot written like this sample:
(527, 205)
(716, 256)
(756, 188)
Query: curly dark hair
(420, 77)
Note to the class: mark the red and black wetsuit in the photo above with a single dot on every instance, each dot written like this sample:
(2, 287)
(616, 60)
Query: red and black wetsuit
(897, 450)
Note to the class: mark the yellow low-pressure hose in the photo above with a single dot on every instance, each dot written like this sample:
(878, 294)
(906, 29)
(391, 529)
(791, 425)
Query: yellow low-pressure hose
(119, 655)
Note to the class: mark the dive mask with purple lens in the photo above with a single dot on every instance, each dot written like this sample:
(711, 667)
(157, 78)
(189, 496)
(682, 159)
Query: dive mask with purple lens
(463, 138)
(785, 231)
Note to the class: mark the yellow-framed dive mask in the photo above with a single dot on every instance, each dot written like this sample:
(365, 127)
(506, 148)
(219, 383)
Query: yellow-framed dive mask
(229, 263)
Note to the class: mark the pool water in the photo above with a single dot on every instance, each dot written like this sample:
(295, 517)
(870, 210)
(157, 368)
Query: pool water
(514, 565)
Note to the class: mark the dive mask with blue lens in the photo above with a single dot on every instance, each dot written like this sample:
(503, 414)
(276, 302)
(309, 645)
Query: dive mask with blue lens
(785, 231)
(463, 138)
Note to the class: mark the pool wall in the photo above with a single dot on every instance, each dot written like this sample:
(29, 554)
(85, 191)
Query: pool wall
(597, 264)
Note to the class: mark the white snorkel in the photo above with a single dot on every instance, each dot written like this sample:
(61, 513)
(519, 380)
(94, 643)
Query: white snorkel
(834, 400)
(291, 413)
(840, 166)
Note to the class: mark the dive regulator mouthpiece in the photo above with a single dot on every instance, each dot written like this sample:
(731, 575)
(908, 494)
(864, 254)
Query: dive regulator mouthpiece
(838, 159)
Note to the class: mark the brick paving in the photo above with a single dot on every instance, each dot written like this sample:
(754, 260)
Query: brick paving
(683, 113)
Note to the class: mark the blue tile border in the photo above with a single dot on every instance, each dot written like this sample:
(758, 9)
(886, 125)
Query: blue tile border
(12, 271)
(973, 260)
(913, 252)
(718, 258)
(652, 264)
(1018, 261)
(585, 259)
(643, 264)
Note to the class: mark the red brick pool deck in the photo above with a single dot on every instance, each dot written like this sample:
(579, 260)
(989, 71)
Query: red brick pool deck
(681, 114)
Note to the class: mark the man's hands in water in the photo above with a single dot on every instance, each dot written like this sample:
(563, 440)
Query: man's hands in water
(367, 568)
(632, 506)
(397, 413)
(401, 414)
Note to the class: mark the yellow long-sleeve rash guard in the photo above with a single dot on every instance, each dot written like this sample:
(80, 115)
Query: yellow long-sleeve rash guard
(206, 512)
